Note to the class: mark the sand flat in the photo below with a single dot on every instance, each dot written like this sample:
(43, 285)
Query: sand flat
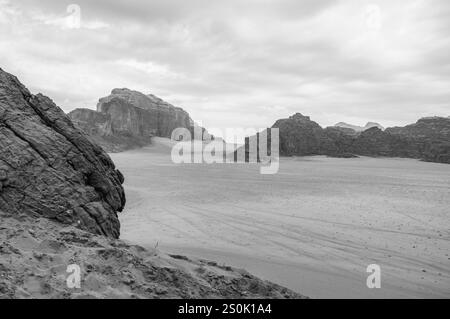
(314, 227)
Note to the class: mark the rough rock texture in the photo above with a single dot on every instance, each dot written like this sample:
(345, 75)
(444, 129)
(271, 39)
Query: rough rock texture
(35, 253)
(126, 119)
(428, 139)
(49, 168)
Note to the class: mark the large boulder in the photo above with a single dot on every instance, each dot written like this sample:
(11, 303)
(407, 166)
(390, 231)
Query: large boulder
(49, 168)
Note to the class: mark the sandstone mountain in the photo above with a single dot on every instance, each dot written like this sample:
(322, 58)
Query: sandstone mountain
(59, 198)
(359, 128)
(428, 139)
(128, 119)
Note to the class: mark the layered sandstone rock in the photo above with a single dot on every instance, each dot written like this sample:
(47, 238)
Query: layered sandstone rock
(49, 168)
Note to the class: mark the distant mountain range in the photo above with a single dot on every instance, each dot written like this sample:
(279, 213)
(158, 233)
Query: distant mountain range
(128, 119)
(359, 128)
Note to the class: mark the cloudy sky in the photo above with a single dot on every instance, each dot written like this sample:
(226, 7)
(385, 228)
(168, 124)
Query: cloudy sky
(238, 63)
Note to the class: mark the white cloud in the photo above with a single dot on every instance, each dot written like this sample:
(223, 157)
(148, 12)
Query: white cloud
(229, 63)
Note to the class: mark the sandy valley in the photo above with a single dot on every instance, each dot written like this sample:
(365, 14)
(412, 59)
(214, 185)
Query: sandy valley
(314, 227)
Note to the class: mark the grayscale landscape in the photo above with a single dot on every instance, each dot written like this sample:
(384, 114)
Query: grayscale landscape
(240, 150)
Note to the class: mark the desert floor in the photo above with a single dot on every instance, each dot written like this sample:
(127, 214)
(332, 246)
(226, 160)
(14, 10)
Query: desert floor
(314, 227)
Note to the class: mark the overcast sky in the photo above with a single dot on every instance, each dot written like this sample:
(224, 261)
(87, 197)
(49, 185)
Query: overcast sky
(239, 63)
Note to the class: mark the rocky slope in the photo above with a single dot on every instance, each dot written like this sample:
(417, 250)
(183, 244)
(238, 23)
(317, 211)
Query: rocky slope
(59, 198)
(128, 119)
(428, 139)
(49, 168)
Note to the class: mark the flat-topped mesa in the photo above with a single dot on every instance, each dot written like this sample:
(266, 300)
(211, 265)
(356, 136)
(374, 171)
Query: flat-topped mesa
(49, 168)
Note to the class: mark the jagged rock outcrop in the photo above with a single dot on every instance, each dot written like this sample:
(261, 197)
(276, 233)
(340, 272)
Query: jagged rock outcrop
(49, 168)
(359, 128)
(127, 119)
(428, 139)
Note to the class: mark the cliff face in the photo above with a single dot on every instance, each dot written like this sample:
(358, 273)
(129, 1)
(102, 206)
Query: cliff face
(49, 168)
(127, 119)
(428, 139)
(142, 115)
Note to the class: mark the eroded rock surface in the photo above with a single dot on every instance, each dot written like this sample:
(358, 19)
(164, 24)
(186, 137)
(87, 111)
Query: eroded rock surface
(49, 168)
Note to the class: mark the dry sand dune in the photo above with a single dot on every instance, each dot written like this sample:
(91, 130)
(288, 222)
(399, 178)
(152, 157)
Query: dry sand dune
(314, 227)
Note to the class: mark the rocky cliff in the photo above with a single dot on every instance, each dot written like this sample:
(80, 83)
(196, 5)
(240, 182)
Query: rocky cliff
(49, 168)
(126, 119)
